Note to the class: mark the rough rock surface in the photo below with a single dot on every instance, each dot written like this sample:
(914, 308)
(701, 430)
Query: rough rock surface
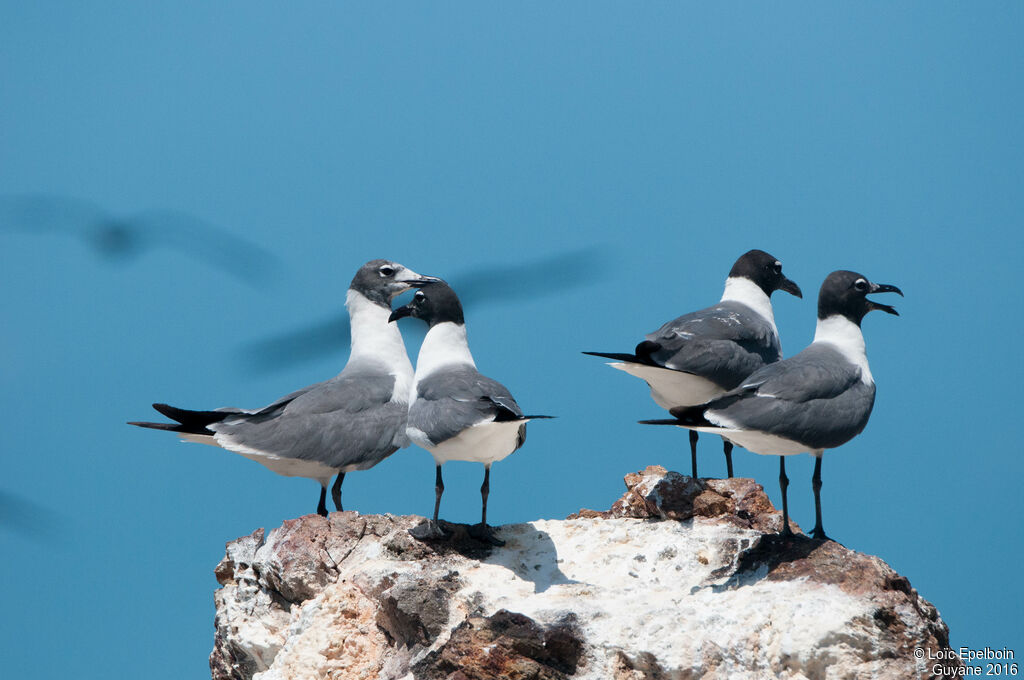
(681, 578)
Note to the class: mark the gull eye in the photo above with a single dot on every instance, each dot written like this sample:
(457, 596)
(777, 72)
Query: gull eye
(860, 284)
(777, 267)
(419, 296)
(387, 270)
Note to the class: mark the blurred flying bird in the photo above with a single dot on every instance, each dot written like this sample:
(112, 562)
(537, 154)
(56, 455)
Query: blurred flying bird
(26, 517)
(125, 237)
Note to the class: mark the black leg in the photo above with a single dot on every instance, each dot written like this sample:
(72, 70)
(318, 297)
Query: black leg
(784, 484)
(819, 531)
(481, 531)
(438, 490)
(485, 490)
(693, 451)
(336, 491)
(431, 529)
(321, 508)
(727, 445)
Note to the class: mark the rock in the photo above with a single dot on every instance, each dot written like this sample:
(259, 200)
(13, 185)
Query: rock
(680, 578)
(505, 645)
(656, 493)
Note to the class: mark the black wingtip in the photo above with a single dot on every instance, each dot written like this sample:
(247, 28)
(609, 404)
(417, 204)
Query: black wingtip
(661, 421)
(173, 427)
(690, 415)
(645, 350)
(166, 409)
(617, 356)
(642, 355)
(195, 422)
(538, 417)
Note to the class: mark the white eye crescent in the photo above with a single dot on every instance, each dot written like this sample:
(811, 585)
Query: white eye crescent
(387, 270)
(860, 284)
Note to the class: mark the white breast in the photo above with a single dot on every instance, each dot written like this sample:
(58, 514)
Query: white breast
(444, 345)
(375, 338)
(746, 292)
(847, 338)
(483, 443)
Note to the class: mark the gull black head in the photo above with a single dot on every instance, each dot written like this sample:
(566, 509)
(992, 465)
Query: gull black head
(765, 271)
(434, 303)
(844, 293)
(380, 281)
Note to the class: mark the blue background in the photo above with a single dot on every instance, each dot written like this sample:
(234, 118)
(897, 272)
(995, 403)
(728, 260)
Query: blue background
(459, 137)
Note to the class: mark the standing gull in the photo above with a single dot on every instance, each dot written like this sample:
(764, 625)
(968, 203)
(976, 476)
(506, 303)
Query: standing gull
(819, 399)
(455, 412)
(350, 422)
(701, 355)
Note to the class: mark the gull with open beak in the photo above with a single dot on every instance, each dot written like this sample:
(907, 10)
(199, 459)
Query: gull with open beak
(817, 400)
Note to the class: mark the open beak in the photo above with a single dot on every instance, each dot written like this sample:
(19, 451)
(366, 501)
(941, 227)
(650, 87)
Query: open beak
(883, 288)
(402, 311)
(790, 287)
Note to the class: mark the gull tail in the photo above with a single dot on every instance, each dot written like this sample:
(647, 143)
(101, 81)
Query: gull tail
(188, 422)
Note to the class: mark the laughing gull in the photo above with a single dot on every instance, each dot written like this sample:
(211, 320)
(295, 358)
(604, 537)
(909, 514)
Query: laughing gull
(350, 422)
(819, 399)
(701, 355)
(455, 412)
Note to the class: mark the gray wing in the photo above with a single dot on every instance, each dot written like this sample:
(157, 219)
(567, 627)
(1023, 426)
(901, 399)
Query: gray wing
(278, 404)
(450, 401)
(346, 422)
(724, 343)
(816, 398)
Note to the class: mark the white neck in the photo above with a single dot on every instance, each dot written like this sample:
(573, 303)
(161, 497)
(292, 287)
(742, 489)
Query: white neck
(745, 291)
(847, 338)
(373, 337)
(444, 345)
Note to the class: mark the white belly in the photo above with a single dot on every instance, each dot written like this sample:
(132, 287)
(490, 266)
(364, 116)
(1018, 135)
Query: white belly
(483, 443)
(673, 388)
(760, 442)
(289, 467)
